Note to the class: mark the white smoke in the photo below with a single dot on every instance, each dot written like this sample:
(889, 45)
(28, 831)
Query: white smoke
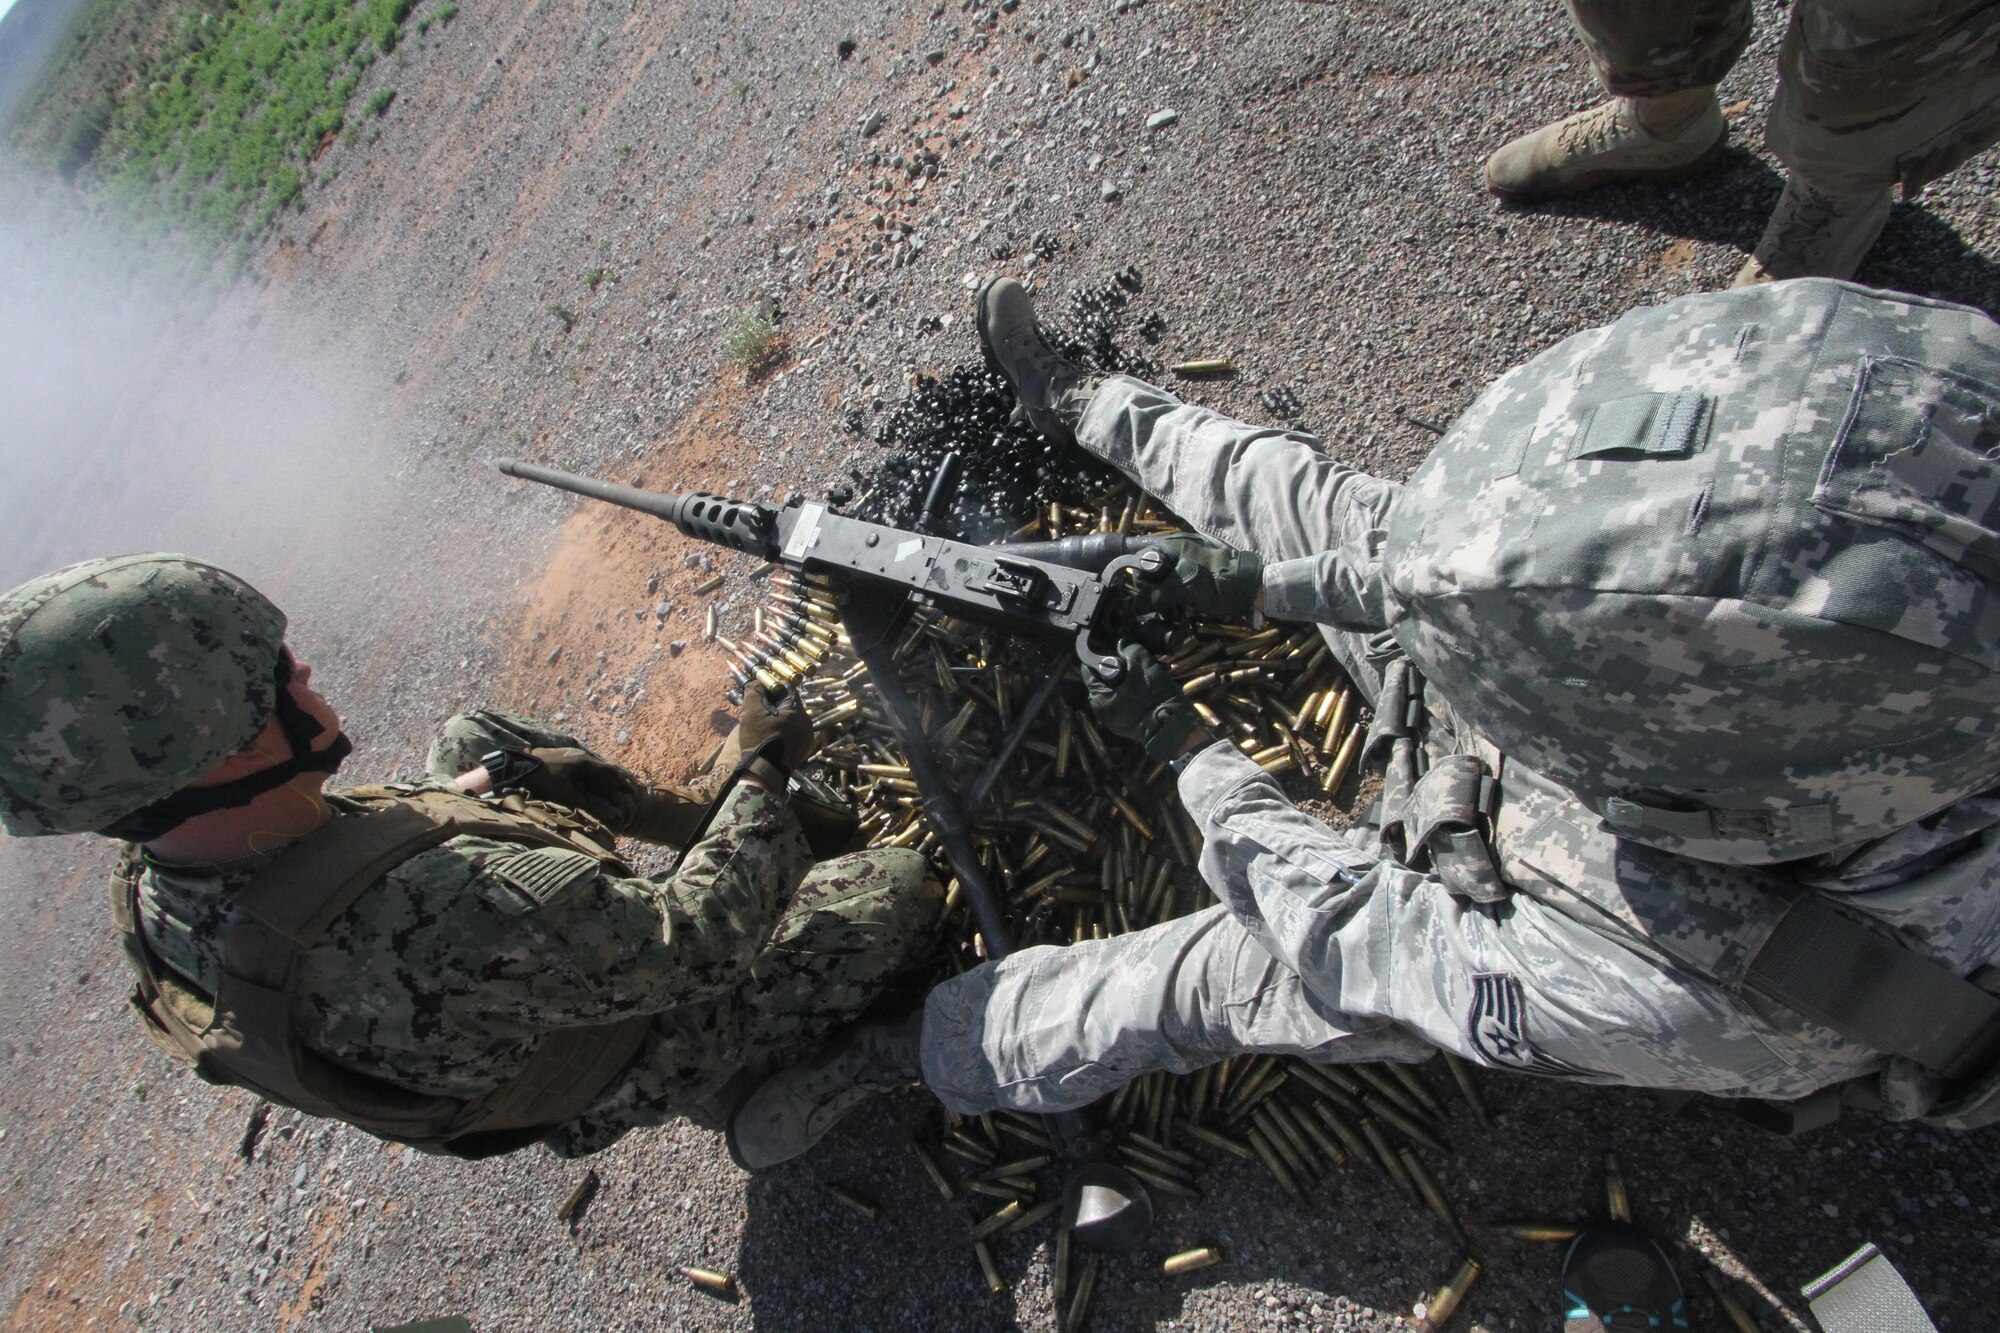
(142, 412)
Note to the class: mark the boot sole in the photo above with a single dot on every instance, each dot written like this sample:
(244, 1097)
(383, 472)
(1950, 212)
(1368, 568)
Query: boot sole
(1591, 180)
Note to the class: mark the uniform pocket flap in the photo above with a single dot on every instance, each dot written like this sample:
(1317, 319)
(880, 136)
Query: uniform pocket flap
(1649, 425)
(1916, 454)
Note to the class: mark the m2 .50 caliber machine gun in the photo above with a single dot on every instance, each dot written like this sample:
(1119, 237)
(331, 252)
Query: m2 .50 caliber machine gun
(1080, 590)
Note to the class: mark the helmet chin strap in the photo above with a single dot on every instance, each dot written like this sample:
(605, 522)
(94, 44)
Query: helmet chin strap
(300, 730)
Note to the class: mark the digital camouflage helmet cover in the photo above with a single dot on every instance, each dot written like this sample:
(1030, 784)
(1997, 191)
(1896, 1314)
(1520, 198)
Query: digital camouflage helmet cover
(1726, 568)
(121, 680)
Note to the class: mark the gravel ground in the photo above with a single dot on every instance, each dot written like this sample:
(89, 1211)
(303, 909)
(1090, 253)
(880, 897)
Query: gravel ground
(1312, 210)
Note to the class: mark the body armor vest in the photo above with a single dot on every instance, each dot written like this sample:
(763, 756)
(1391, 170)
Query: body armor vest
(243, 1034)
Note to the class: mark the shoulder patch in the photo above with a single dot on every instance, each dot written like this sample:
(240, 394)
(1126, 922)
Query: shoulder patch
(533, 877)
(1498, 1028)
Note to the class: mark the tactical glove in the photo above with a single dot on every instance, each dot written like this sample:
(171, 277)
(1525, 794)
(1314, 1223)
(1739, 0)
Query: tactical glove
(1213, 580)
(763, 723)
(1145, 705)
(579, 779)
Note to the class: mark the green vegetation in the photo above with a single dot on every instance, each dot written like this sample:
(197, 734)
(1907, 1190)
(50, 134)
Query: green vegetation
(593, 277)
(208, 121)
(754, 345)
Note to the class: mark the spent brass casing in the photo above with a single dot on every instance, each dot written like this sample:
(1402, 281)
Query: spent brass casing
(1461, 1073)
(1385, 1087)
(987, 1267)
(1269, 1156)
(1429, 1191)
(1331, 1084)
(1378, 1142)
(1027, 1128)
(584, 1189)
(1059, 1266)
(1317, 1132)
(1539, 1230)
(1440, 1308)
(1214, 1139)
(1396, 1118)
(709, 621)
(1154, 1146)
(936, 1173)
(1035, 1216)
(1011, 1189)
(716, 1284)
(708, 585)
(961, 1144)
(1286, 1137)
(1246, 1087)
(1188, 1261)
(1020, 1166)
(1739, 1318)
(1079, 1305)
(1248, 1102)
(1344, 1130)
(1132, 816)
(1417, 1088)
(1165, 1184)
(998, 1220)
(855, 1202)
(1136, 1156)
(1617, 1201)
(1213, 365)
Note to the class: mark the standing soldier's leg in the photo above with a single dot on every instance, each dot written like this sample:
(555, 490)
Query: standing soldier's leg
(1660, 60)
(1053, 1029)
(1271, 492)
(1872, 94)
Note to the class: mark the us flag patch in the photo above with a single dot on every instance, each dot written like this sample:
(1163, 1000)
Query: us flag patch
(1497, 1026)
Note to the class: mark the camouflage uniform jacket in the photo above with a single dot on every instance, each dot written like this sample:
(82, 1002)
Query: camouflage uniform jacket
(441, 977)
(1508, 564)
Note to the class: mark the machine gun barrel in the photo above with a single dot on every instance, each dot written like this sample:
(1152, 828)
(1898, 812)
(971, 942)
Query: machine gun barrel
(742, 525)
(1054, 589)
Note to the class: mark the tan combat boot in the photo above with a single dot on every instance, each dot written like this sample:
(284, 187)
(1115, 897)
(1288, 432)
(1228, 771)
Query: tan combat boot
(1815, 233)
(793, 1109)
(1624, 139)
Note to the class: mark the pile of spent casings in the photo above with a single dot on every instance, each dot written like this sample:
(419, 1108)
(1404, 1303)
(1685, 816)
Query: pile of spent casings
(1082, 838)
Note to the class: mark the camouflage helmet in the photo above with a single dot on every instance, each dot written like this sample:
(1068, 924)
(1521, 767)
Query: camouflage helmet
(1726, 569)
(121, 680)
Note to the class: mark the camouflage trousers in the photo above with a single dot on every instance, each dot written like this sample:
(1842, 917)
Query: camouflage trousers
(1390, 968)
(854, 927)
(1870, 92)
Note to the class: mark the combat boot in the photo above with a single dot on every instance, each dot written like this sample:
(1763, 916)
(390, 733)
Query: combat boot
(666, 816)
(1624, 139)
(1054, 390)
(793, 1109)
(1815, 233)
